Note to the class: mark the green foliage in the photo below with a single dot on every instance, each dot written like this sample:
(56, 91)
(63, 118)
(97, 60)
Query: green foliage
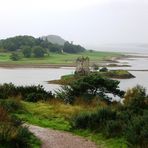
(34, 97)
(28, 93)
(113, 128)
(12, 134)
(127, 120)
(136, 131)
(56, 48)
(11, 105)
(38, 52)
(14, 56)
(7, 90)
(56, 59)
(90, 86)
(14, 43)
(27, 51)
(95, 120)
(136, 99)
(119, 74)
(71, 48)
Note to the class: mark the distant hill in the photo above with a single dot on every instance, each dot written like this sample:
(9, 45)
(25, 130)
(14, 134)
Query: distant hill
(55, 39)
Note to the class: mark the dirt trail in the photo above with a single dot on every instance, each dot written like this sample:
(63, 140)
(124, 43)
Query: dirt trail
(58, 139)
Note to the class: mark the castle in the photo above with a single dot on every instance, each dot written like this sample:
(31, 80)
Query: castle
(82, 65)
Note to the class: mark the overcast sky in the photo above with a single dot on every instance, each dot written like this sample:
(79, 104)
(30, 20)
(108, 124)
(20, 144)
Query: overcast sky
(86, 22)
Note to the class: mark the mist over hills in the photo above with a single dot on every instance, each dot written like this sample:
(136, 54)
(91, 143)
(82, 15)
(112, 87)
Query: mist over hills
(55, 39)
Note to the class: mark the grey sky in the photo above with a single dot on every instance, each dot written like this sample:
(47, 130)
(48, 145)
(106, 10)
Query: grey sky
(87, 22)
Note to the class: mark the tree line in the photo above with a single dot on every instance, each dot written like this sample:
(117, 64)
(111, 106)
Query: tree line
(38, 47)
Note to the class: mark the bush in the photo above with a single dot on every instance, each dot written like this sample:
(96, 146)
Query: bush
(34, 97)
(11, 105)
(3, 115)
(7, 90)
(95, 120)
(135, 99)
(65, 95)
(14, 57)
(24, 92)
(12, 134)
(14, 137)
(113, 128)
(38, 51)
(136, 132)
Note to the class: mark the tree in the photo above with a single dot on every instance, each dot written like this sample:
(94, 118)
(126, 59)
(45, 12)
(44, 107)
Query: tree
(14, 43)
(38, 51)
(14, 57)
(26, 51)
(71, 48)
(56, 48)
(91, 86)
(94, 84)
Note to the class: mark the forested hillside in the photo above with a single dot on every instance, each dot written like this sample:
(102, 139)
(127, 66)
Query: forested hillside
(20, 43)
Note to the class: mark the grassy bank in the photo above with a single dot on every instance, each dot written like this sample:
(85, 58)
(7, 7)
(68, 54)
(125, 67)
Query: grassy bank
(56, 115)
(58, 59)
(109, 124)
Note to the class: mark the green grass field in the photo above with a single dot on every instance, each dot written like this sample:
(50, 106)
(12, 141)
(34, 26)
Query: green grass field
(54, 58)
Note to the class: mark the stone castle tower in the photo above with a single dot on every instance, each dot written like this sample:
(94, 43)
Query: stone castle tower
(82, 65)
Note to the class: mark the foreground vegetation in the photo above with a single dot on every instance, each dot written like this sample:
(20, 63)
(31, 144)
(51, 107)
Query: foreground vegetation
(12, 133)
(83, 108)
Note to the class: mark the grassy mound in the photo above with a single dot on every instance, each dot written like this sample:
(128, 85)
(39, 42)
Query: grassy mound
(117, 74)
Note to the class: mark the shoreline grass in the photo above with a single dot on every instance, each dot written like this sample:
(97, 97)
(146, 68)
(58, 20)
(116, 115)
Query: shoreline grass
(55, 116)
(60, 59)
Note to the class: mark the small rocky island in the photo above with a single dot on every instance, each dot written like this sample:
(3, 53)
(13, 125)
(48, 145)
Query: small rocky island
(83, 68)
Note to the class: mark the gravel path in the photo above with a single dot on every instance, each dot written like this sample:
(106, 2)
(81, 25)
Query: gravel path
(59, 139)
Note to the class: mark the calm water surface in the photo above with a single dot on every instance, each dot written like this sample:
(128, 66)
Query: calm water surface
(35, 76)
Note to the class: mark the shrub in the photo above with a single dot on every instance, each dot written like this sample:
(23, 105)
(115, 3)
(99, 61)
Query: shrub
(14, 137)
(3, 115)
(81, 121)
(136, 132)
(15, 57)
(7, 90)
(11, 105)
(34, 97)
(12, 134)
(94, 120)
(135, 100)
(113, 128)
(28, 91)
(65, 94)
